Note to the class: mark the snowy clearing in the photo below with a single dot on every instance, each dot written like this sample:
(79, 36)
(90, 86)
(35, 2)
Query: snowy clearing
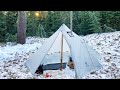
(13, 57)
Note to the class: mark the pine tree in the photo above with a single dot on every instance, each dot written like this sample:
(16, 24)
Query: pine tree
(65, 16)
(76, 22)
(2, 27)
(86, 23)
(53, 22)
(95, 22)
(110, 19)
(11, 22)
(32, 23)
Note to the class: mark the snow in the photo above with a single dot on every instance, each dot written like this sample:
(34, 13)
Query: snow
(108, 47)
(9, 52)
(13, 56)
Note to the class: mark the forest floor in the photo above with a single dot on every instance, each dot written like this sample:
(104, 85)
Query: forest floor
(13, 56)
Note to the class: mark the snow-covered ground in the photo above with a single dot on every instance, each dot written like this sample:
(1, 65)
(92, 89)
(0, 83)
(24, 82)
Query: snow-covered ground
(108, 45)
(13, 57)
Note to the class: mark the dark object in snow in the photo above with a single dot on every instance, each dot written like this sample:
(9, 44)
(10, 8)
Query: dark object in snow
(71, 59)
(71, 63)
(92, 72)
(113, 64)
(107, 60)
(40, 70)
(98, 43)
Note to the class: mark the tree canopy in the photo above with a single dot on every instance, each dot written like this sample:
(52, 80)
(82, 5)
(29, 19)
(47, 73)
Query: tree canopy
(45, 23)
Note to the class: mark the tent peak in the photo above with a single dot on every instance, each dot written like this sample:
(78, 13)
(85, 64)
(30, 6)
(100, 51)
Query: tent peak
(63, 24)
(64, 28)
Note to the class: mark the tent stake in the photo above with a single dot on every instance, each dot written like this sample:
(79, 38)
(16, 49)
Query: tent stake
(61, 53)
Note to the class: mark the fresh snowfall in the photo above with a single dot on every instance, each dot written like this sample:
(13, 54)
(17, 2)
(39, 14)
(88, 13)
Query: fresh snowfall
(13, 56)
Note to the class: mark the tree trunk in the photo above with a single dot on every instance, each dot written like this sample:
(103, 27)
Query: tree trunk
(21, 27)
(71, 17)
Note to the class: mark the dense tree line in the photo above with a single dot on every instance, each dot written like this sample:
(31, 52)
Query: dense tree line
(45, 23)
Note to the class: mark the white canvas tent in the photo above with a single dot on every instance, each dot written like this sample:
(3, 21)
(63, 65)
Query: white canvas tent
(84, 57)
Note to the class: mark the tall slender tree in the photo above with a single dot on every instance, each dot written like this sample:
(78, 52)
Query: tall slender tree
(2, 27)
(21, 27)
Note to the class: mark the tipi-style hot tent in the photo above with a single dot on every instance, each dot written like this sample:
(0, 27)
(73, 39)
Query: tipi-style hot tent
(84, 57)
